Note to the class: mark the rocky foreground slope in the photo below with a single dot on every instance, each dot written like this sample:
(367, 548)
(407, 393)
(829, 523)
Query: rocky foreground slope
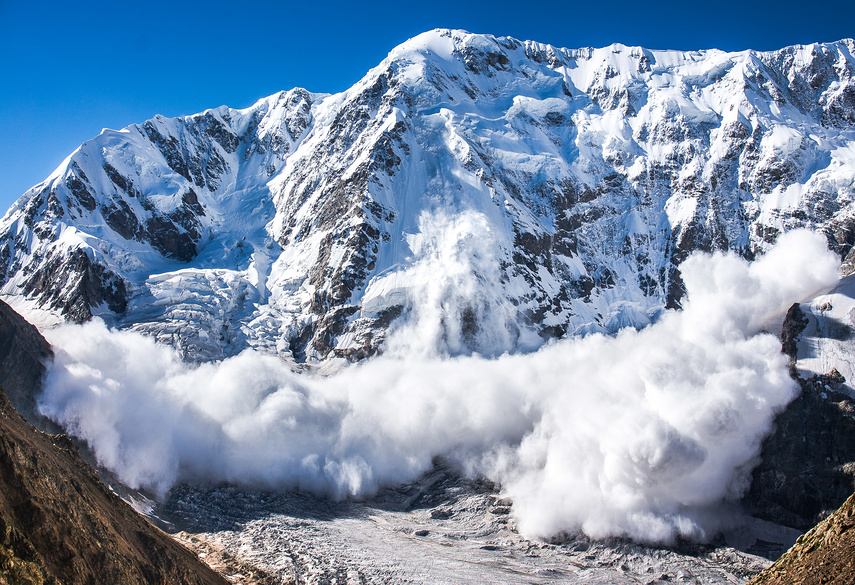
(521, 191)
(58, 522)
(824, 555)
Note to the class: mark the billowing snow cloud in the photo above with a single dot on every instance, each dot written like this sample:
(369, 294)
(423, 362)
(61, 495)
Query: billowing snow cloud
(643, 434)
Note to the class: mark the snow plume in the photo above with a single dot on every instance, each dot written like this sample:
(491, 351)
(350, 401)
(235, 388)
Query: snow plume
(643, 434)
(454, 291)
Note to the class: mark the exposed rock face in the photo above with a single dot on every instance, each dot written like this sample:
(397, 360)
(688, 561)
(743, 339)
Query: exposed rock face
(60, 524)
(73, 285)
(23, 355)
(307, 225)
(808, 462)
(824, 555)
(807, 466)
(794, 323)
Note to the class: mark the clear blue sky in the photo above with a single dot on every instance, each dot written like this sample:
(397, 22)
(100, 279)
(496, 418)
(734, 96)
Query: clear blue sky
(68, 69)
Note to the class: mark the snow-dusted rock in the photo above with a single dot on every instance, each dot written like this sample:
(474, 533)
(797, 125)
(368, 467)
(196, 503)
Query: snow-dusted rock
(490, 193)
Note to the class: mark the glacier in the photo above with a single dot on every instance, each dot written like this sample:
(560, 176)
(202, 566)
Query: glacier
(522, 191)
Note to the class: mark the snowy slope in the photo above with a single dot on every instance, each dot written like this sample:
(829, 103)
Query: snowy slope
(828, 339)
(484, 192)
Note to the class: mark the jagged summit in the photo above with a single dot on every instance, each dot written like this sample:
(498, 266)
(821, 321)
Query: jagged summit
(490, 192)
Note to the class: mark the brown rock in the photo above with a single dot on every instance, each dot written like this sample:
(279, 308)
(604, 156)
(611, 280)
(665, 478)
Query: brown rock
(60, 524)
(825, 555)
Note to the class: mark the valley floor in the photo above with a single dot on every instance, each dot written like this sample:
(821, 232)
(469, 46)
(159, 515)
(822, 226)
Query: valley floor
(440, 530)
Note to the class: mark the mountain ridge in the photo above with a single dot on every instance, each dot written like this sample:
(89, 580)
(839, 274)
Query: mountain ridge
(572, 183)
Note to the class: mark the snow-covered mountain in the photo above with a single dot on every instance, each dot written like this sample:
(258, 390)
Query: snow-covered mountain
(484, 192)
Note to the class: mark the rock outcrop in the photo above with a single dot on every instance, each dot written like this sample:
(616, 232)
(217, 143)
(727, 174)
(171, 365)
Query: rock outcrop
(23, 356)
(807, 464)
(825, 555)
(60, 524)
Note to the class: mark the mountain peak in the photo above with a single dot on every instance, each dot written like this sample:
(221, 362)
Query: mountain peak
(575, 182)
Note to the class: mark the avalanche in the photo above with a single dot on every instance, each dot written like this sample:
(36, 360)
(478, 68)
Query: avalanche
(644, 434)
(495, 232)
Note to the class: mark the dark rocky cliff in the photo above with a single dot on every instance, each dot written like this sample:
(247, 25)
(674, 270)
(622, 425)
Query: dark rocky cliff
(23, 355)
(807, 466)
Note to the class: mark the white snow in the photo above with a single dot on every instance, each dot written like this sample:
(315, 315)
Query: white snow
(828, 341)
